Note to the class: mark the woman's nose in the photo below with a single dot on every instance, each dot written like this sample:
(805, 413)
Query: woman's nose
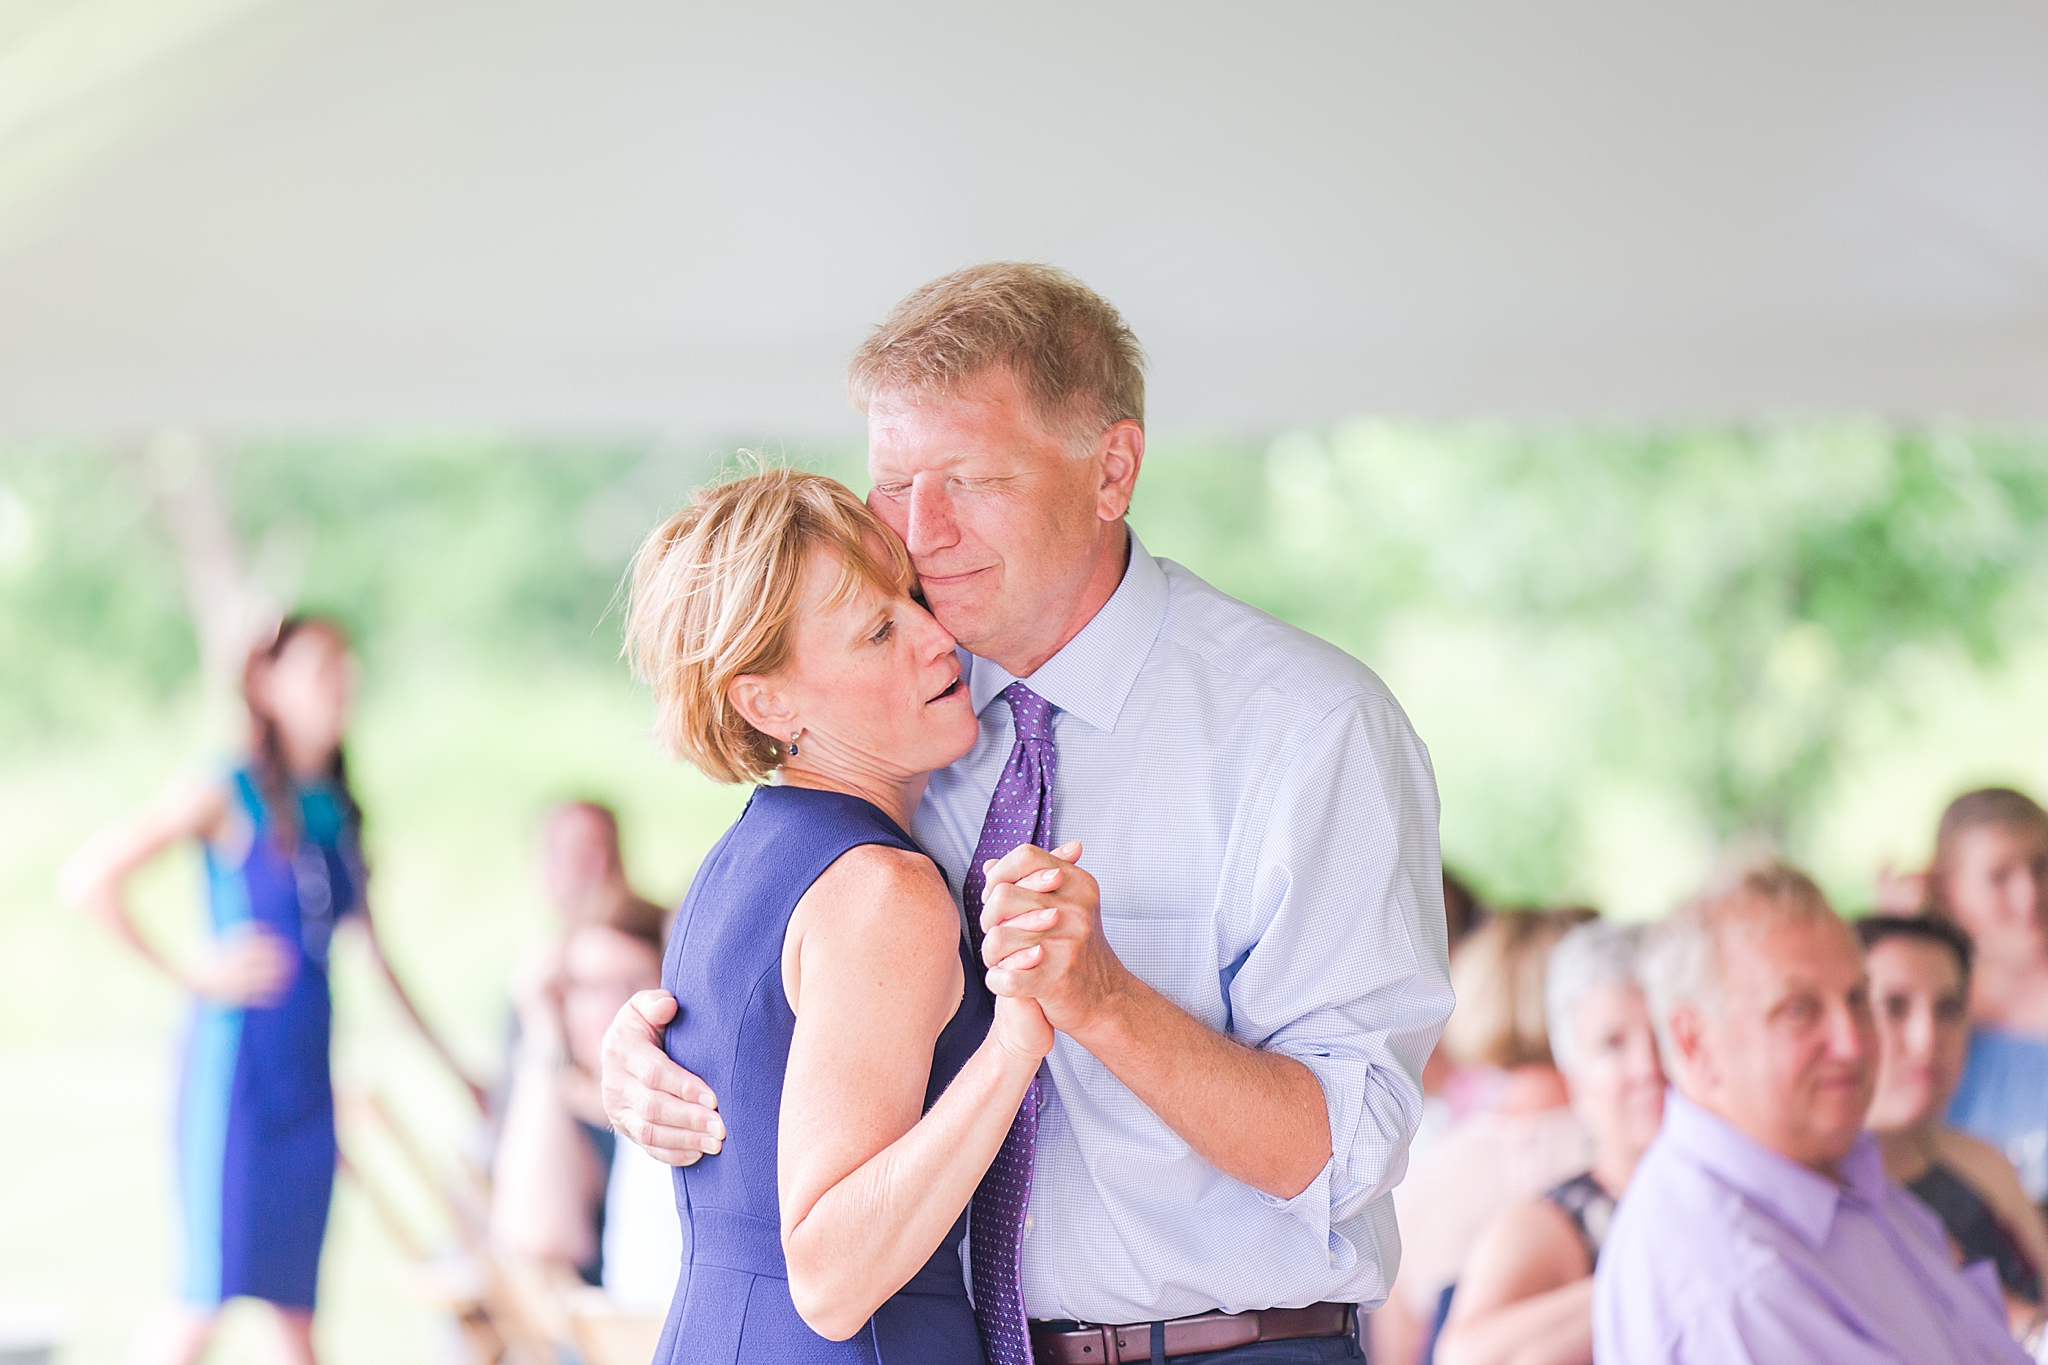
(937, 642)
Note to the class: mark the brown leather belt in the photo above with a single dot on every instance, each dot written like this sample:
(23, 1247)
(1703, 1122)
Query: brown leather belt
(1088, 1344)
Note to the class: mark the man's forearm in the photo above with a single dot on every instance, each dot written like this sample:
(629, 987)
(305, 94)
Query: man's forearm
(1258, 1117)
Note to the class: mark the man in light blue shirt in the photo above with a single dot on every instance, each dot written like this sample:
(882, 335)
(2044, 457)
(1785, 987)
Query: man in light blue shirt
(1248, 968)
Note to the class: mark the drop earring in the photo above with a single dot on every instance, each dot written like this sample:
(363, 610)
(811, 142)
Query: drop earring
(792, 742)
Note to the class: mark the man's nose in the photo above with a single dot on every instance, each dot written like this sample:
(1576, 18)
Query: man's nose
(1852, 1032)
(931, 527)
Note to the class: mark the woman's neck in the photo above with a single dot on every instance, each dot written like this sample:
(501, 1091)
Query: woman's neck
(897, 799)
(1614, 1169)
(2011, 993)
(304, 763)
(1909, 1152)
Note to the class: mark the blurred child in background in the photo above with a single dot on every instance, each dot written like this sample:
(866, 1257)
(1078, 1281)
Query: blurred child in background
(1990, 876)
(280, 833)
(555, 1151)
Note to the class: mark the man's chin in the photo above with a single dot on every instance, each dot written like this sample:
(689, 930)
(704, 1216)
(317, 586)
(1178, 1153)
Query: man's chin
(965, 616)
(1834, 1131)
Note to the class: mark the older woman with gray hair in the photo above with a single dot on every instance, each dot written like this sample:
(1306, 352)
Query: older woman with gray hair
(1525, 1295)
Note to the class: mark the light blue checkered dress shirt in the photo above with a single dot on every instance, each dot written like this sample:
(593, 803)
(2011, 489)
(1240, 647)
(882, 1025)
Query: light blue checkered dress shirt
(1263, 822)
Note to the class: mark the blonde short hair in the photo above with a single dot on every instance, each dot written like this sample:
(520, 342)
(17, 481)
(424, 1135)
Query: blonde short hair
(1497, 975)
(1076, 360)
(1681, 963)
(714, 593)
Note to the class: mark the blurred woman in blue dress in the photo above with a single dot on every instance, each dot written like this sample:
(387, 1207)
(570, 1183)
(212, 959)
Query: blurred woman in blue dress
(280, 834)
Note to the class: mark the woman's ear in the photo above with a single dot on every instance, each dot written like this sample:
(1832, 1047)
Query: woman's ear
(761, 704)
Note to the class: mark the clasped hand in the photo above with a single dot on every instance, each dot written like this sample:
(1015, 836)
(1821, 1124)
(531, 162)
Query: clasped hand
(1048, 965)
(1042, 917)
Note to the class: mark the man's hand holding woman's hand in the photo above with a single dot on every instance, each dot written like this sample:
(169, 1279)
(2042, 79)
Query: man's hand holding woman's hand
(671, 1114)
(1048, 966)
(1042, 917)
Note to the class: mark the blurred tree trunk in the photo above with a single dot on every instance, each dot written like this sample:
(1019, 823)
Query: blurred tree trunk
(230, 611)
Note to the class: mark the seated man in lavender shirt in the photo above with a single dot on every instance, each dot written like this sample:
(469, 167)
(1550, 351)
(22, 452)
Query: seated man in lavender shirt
(1760, 1227)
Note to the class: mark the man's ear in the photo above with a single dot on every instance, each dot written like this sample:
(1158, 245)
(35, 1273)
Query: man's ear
(1121, 449)
(1694, 1065)
(761, 704)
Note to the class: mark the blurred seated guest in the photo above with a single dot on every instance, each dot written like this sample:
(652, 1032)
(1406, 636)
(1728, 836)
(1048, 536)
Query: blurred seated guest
(583, 874)
(1525, 1294)
(1759, 1227)
(1919, 987)
(1515, 1137)
(552, 1166)
(1990, 875)
(1463, 914)
(583, 871)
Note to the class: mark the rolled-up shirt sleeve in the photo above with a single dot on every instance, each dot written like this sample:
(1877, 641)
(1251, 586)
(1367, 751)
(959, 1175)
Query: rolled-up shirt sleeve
(1346, 965)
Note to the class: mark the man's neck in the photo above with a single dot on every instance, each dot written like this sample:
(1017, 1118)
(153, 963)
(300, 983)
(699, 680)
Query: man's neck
(1910, 1151)
(1828, 1168)
(1104, 578)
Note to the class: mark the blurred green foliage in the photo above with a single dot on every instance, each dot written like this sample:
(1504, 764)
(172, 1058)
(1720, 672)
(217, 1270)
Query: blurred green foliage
(1705, 613)
(92, 619)
(1700, 612)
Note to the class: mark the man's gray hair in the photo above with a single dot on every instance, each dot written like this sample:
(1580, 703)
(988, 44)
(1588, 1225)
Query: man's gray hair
(1594, 955)
(1681, 962)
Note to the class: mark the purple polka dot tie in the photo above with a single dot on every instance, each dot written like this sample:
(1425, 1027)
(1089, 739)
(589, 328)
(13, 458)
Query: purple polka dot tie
(1020, 813)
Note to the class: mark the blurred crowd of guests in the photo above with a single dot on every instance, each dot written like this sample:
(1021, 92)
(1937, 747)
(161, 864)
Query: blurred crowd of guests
(1906, 1051)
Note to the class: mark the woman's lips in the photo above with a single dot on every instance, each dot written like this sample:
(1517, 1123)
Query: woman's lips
(950, 689)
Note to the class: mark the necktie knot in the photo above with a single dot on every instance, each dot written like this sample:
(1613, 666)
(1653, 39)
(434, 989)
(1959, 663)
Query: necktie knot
(1031, 713)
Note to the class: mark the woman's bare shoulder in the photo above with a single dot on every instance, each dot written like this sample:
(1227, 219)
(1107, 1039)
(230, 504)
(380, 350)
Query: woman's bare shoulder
(1530, 1248)
(1987, 1170)
(1534, 1228)
(877, 900)
(880, 879)
(878, 914)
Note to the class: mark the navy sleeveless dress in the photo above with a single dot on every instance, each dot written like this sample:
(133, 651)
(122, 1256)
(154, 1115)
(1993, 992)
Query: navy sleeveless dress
(724, 963)
(256, 1149)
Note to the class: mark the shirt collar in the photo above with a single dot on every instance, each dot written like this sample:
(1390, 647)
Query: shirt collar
(1796, 1196)
(1092, 675)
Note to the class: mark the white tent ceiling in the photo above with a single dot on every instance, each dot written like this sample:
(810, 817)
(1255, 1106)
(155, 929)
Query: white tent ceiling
(629, 215)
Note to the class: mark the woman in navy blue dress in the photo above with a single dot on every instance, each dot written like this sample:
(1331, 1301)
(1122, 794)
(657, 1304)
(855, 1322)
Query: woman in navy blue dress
(834, 1007)
(255, 1121)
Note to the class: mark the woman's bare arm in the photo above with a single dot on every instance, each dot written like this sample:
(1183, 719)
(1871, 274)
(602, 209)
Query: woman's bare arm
(435, 1043)
(252, 967)
(868, 1187)
(1525, 1296)
(1991, 1174)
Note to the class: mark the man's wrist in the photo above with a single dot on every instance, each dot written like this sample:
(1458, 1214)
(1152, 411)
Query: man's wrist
(1113, 1027)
